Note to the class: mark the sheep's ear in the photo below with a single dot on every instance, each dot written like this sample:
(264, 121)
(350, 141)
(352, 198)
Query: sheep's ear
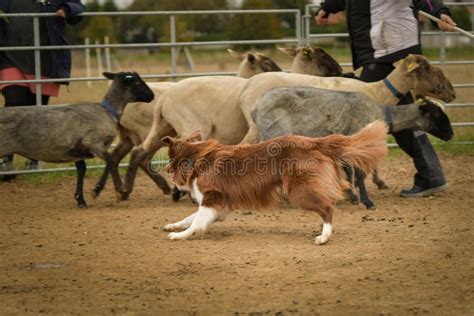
(289, 51)
(398, 63)
(251, 58)
(410, 63)
(305, 51)
(109, 75)
(168, 140)
(236, 55)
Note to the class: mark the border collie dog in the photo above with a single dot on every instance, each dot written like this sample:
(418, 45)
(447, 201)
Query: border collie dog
(308, 172)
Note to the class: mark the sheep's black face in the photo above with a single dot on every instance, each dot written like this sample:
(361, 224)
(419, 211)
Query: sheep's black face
(131, 86)
(139, 90)
(436, 121)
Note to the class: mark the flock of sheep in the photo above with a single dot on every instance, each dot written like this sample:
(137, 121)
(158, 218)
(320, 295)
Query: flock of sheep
(261, 102)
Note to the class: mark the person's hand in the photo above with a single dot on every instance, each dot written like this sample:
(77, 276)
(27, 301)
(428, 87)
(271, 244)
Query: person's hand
(446, 23)
(320, 18)
(61, 13)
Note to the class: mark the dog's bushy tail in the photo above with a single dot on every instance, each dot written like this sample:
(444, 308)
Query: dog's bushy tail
(363, 150)
(366, 148)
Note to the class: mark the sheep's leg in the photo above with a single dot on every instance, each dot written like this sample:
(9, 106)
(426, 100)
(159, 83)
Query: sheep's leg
(138, 155)
(364, 197)
(353, 197)
(252, 135)
(378, 182)
(81, 172)
(119, 152)
(103, 179)
(155, 176)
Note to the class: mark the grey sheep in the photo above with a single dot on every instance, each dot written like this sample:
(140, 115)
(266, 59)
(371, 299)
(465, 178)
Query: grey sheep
(314, 112)
(72, 132)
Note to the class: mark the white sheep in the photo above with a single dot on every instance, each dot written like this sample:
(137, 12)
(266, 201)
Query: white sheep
(137, 120)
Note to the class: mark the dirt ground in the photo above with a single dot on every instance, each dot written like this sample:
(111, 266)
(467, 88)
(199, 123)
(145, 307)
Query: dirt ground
(408, 257)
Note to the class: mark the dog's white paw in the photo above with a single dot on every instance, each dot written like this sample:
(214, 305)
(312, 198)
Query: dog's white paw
(321, 240)
(172, 227)
(178, 236)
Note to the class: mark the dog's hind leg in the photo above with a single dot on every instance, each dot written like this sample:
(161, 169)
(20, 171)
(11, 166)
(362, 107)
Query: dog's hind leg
(181, 225)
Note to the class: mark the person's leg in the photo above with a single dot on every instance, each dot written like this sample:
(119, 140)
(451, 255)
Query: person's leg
(429, 177)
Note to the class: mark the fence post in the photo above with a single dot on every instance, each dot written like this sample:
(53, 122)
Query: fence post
(298, 27)
(88, 61)
(99, 59)
(442, 50)
(108, 64)
(307, 28)
(174, 57)
(37, 43)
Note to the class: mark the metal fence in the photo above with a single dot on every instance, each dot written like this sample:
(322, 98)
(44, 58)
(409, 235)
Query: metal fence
(302, 35)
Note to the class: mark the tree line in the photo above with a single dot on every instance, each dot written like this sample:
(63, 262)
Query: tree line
(213, 27)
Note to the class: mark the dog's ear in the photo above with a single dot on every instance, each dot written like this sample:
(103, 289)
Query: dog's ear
(196, 136)
(168, 140)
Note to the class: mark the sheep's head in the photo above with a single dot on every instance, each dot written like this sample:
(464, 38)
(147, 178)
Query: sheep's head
(428, 79)
(129, 87)
(253, 63)
(433, 119)
(312, 60)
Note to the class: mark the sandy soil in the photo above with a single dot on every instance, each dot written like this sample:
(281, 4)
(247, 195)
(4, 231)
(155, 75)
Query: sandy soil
(407, 257)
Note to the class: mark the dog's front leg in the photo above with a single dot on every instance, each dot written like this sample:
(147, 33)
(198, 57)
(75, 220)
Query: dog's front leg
(181, 225)
(204, 217)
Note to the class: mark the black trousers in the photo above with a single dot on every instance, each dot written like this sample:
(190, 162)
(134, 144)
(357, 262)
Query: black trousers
(416, 144)
(20, 96)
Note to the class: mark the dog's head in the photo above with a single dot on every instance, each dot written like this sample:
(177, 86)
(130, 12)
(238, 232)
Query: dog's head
(182, 154)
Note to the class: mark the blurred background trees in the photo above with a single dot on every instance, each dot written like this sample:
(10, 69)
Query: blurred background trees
(211, 27)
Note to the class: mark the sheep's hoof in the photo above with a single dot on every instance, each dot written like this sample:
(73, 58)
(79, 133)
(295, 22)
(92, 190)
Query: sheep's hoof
(96, 192)
(382, 186)
(82, 205)
(122, 195)
(354, 199)
(370, 206)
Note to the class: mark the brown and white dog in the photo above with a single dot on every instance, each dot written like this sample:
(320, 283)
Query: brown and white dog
(307, 171)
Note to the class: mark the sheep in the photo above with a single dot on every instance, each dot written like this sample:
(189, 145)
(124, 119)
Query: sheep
(137, 120)
(197, 107)
(253, 63)
(186, 107)
(71, 133)
(314, 112)
(312, 60)
(414, 72)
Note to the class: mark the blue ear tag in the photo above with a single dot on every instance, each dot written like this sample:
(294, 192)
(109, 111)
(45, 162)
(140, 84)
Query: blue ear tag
(129, 77)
